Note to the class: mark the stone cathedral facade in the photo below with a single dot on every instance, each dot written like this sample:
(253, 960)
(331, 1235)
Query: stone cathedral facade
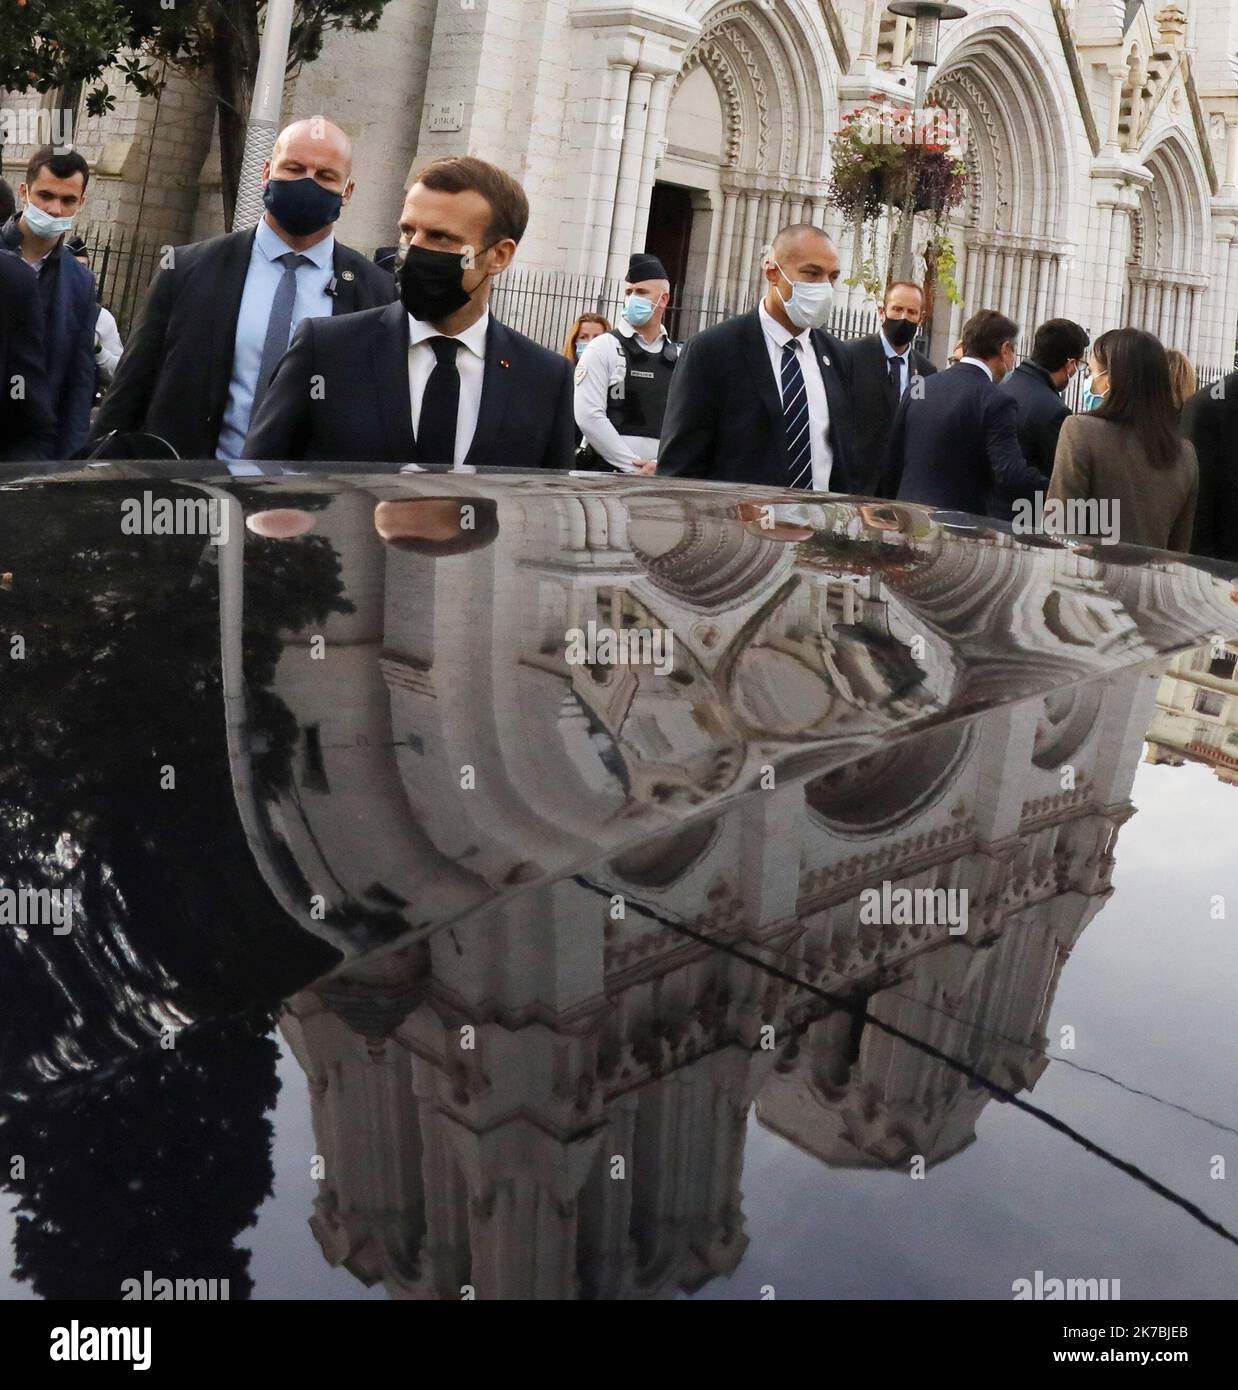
(1103, 140)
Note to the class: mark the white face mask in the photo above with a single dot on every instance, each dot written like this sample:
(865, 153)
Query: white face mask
(810, 304)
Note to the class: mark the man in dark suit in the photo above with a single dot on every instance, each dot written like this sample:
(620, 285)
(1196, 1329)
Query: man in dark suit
(954, 443)
(882, 367)
(1210, 422)
(52, 194)
(435, 378)
(1058, 352)
(27, 429)
(765, 397)
(219, 316)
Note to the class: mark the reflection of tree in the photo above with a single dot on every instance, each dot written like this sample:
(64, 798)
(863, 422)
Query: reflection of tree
(161, 1163)
(159, 1167)
(121, 677)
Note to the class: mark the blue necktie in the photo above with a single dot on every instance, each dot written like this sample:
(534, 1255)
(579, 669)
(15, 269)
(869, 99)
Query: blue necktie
(795, 422)
(279, 325)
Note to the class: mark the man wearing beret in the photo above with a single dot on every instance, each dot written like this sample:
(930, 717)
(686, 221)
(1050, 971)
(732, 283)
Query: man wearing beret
(624, 376)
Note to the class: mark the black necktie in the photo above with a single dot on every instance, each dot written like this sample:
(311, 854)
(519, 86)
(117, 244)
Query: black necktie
(440, 405)
(896, 379)
(795, 421)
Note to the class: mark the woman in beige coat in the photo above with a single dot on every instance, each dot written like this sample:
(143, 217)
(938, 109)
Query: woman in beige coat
(1126, 457)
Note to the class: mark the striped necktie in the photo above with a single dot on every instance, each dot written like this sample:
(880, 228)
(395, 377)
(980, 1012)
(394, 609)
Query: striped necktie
(795, 422)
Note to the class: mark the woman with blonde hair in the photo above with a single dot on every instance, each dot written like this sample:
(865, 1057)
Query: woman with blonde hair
(1182, 379)
(584, 330)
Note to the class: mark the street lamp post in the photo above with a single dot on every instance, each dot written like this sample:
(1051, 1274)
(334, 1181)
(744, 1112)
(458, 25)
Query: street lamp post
(264, 111)
(928, 15)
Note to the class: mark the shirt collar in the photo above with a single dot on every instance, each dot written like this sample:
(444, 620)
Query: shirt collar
(473, 337)
(976, 362)
(271, 244)
(775, 330)
(624, 327)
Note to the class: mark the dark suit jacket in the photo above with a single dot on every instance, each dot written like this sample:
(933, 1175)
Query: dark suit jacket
(1210, 422)
(27, 429)
(873, 405)
(1042, 412)
(723, 416)
(341, 392)
(68, 344)
(174, 377)
(956, 447)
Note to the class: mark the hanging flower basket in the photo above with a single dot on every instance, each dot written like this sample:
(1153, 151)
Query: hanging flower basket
(879, 156)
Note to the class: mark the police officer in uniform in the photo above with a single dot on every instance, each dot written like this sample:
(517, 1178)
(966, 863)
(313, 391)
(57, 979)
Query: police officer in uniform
(623, 377)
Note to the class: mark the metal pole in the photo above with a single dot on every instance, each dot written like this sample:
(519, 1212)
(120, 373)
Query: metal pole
(906, 261)
(264, 112)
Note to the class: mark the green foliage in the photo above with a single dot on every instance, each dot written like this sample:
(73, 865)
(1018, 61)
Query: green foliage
(941, 252)
(48, 45)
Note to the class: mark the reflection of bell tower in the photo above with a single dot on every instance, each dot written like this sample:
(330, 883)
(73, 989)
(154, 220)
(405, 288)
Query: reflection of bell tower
(1036, 863)
(550, 1101)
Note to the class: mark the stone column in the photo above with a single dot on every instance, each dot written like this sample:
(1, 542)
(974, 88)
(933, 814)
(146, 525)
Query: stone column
(1118, 73)
(1194, 305)
(1134, 316)
(628, 185)
(655, 129)
(745, 267)
(990, 276)
(1132, 139)
(716, 213)
(1231, 152)
(775, 217)
(599, 215)
(1043, 310)
(727, 251)
(1181, 301)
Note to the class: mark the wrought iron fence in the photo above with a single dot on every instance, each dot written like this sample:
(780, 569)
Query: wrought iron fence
(124, 264)
(544, 306)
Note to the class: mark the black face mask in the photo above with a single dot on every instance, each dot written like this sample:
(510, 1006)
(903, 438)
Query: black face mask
(301, 206)
(432, 282)
(899, 332)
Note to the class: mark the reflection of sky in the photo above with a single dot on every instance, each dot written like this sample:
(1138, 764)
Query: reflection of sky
(1151, 991)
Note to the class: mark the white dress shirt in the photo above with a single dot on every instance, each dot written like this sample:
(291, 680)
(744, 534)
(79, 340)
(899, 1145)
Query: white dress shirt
(818, 404)
(262, 280)
(601, 366)
(470, 363)
(976, 362)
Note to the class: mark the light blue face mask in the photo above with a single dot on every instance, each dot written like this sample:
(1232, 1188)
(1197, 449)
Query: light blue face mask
(637, 310)
(43, 224)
